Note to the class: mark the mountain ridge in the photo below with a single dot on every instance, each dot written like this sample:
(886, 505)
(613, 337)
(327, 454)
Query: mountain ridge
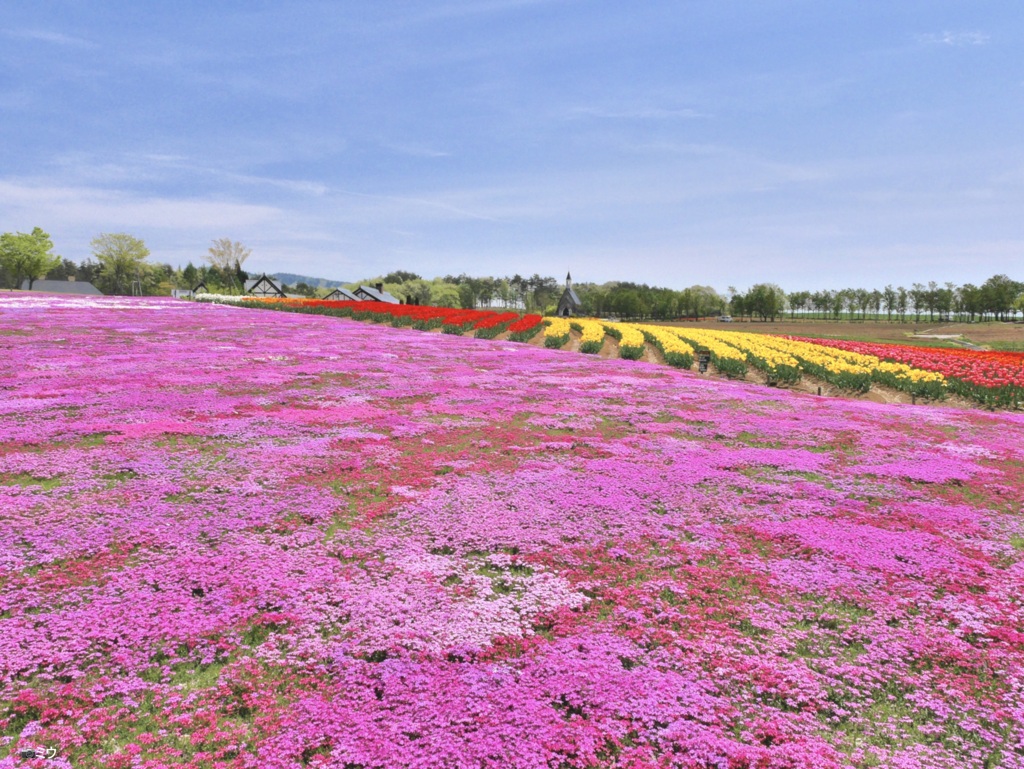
(290, 279)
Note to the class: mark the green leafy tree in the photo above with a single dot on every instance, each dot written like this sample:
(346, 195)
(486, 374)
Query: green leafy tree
(415, 291)
(901, 303)
(877, 298)
(798, 300)
(122, 259)
(889, 300)
(998, 294)
(444, 294)
(190, 276)
(400, 276)
(766, 300)
(27, 256)
(66, 269)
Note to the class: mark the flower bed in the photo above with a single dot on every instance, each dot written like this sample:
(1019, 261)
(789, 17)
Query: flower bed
(249, 540)
(990, 378)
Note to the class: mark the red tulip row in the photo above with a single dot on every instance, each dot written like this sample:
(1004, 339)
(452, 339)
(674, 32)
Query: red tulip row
(485, 322)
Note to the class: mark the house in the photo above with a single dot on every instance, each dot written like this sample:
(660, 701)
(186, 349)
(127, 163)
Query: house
(200, 288)
(69, 286)
(342, 295)
(569, 304)
(264, 286)
(376, 294)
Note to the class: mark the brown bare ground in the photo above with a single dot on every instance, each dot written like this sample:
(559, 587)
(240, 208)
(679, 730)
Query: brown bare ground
(610, 348)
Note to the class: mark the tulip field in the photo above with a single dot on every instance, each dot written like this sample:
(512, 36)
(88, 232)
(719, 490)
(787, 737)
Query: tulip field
(239, 538)
(992, 379)
(987, 377)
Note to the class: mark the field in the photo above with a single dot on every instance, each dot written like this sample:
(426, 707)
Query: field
(923, 332)
(263, 539)
(883, 373)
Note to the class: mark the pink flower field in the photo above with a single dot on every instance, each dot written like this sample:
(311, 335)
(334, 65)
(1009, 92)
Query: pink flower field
(254, 539)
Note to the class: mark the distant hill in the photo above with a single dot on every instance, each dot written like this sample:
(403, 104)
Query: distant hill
(291, 279)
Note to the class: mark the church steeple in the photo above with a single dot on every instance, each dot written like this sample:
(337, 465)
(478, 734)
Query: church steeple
(568, 280)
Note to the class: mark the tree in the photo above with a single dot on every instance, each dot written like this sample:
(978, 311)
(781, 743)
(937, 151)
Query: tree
(998, 295)
(944, 300)
(225, 253)
(444, 294)
(190, 276)
(876, 302)
(917, 296)
(766, 300)
(400, 276)
(1018, 303)
(798, 300)
(706, 301)
(889, 299)
(27, 256)
(122, 260)
(227, 257)
(861, 299)
(838, 302)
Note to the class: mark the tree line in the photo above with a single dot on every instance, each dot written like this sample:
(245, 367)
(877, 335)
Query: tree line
(998, 298)
(119, 264)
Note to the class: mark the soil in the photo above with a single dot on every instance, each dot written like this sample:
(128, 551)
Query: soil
(610, 349)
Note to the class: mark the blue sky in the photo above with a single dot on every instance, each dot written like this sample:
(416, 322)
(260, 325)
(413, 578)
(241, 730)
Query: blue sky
(810, 144)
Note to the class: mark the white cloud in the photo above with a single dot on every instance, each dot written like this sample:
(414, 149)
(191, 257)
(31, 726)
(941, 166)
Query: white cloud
(958, 39)
(637, 113)
(126, 168)
(47, 36)
(104, 210)
(414, 150)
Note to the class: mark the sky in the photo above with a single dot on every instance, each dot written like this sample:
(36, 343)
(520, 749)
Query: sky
(815, 145)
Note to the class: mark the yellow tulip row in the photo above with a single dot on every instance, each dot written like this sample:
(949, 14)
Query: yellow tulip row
(720, 348)
(848, 363)
(847, 369)
(556, 327)
(667, 339)
(782, 359)
(631, 336)
(592, 331)
(904, 371)
(839, 361)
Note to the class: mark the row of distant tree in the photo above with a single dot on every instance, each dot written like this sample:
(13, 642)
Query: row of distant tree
(999, 297)
(119, 261)
(120, 265)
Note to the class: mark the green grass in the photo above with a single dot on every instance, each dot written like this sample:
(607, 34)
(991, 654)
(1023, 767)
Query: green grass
(27, 479)
(912, 341)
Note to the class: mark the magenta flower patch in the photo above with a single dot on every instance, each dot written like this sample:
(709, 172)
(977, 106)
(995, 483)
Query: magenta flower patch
(256, 539)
